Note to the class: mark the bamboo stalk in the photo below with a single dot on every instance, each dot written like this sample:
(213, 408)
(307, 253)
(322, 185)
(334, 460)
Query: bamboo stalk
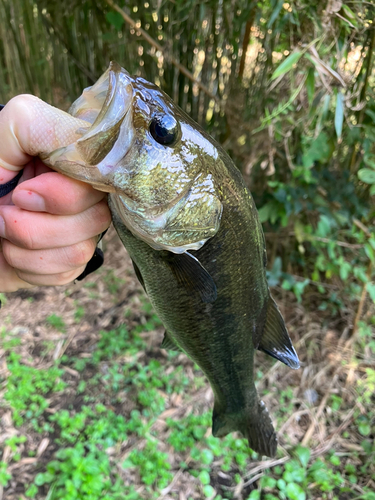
(362, 301)
(160, 48)
(245, 41)
(361, 114)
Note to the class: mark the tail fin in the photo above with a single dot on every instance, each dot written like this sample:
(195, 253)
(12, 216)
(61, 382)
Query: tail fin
(256, 427)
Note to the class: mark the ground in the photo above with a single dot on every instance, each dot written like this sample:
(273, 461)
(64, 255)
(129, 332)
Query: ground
(92, 408)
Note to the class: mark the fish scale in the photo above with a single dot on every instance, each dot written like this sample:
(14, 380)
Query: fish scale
(190, 225)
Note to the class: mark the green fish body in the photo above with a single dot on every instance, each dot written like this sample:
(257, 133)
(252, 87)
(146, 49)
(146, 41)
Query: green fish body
(191, 228)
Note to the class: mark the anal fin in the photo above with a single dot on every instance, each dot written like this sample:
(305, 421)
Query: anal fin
(275, 339)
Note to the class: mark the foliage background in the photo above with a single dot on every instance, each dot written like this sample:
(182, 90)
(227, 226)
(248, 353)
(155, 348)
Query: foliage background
(286, 87)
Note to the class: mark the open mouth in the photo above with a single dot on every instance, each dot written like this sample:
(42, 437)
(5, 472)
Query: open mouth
(108, 136)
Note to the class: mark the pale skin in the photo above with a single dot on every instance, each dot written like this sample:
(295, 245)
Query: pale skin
(49, 224)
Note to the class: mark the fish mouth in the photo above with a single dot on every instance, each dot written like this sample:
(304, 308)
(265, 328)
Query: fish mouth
(107, 107)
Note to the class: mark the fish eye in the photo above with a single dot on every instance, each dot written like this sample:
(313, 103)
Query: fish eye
(164, 129)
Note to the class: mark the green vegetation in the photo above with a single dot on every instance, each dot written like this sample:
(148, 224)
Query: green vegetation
(294, 481)
(28, 387)
(93, 442)
(4, 475)
(57, 322)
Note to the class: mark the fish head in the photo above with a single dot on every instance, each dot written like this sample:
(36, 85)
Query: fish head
(154, 161)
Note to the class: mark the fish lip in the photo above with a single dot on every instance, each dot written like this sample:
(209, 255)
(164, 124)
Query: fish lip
(111, 105)
(93, 156)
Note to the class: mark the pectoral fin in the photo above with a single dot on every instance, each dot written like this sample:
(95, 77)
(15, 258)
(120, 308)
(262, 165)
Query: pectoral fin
(139, 275)
(275, 340)
(169, 344)
(190, 273)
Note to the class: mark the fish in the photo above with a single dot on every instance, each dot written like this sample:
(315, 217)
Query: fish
(190, 225)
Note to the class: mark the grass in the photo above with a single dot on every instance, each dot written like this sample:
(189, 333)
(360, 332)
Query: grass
(57, 322)
(87, 436)
(27, 388)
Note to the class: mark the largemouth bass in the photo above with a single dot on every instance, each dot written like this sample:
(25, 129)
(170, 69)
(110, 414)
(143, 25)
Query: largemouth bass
(190, 225)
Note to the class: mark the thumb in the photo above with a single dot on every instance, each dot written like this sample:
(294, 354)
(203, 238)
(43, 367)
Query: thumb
(29, 127)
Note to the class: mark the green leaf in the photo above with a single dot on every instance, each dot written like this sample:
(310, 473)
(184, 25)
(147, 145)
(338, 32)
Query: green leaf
(204, 477)
(339, 114)
(366, 175)
(295, 492)
(116, 19)
(369, 160)
(320, 150)
(371, 114)
(254, 495)
(265, 212)
(281, 484)
(364, 428)
(275, 13)
(335, 460)
(208, 491)
(303, 454)
(371, 290)
(324, 226)
(207, 456)
(43, 478)
(310, 85)
(267, 482)
(345, 269)
(350, 14)
(370, 252)
(287, 64)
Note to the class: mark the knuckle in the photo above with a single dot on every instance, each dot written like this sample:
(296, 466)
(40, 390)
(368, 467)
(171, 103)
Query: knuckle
(81, 253)
(26, 238)
(21, 101)
(102, 214)
(19, 230)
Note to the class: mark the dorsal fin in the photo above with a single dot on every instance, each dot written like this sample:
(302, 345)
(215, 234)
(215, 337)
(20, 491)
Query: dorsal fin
(275, 339)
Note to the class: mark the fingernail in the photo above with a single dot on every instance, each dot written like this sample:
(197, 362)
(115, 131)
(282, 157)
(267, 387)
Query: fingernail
(28, 200)
(2, 228)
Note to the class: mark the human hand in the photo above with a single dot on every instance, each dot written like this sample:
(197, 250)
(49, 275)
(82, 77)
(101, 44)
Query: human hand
(49, 224)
